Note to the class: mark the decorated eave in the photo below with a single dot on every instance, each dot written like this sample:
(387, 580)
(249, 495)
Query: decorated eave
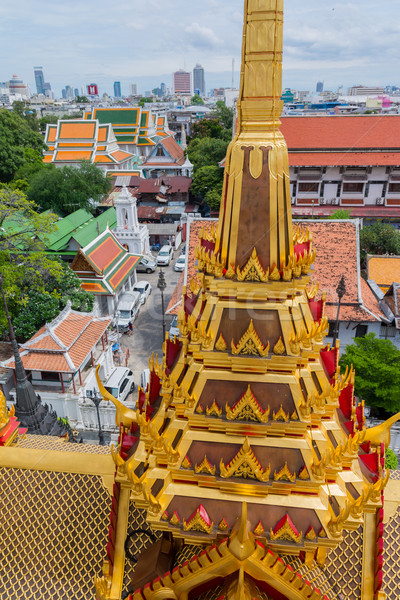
(104, 265)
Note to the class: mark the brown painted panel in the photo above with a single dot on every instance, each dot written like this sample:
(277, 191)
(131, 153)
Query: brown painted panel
(267, 394)
(352, 201)
(392, 201)
(235, 322)
(305, 201)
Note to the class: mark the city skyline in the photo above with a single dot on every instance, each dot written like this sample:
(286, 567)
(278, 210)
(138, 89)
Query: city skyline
(323, 41)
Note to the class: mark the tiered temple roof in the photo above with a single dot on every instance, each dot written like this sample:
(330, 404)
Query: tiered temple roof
(248, 439)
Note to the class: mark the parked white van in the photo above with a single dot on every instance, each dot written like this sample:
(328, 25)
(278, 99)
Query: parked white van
(128, 308)
(120, 383)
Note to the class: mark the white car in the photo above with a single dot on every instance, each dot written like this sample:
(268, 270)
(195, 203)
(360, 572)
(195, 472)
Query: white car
(165, 256)
(144, 289)
(180, 264)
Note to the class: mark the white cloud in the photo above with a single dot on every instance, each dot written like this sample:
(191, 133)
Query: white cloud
(201, 37)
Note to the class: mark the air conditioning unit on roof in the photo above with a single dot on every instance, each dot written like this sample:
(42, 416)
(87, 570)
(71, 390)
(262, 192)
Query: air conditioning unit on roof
(293, 200)
(380, 201)
(322, 201)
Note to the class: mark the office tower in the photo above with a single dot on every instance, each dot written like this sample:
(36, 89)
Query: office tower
(76, 92)
(41, 85)
(163, 88)
(199, 86)
(320, 87)
(133, 89)
(182, 82)
(117, 89)
(64, 93)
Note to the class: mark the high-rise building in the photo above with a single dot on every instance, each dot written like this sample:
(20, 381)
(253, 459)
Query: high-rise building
(163, 88)
(199, 86)
(117, 89)
(41, 85)
(133, 89)
(76, 92)
(182, 82)
(320, 87)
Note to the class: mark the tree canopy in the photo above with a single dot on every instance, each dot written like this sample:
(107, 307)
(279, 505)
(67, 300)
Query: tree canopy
(16, 136)
(379, 238)
(196, 100)
(37, 286)
(340, 213)
(224, 114)
(206, 151)
(68, 188)
(377, 366)
(211, 128)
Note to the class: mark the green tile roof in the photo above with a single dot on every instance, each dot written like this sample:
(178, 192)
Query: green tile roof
(59, 239)
(95, 227)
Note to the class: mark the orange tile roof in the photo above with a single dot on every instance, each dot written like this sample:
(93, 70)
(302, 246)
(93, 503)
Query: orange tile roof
(77, 130)
(105, 253)
(47, 159)
(120, 155)
(333, 159)
(92, 287)
(122, 272)
(45, 342)
(43, 361)
(103, 131)
(71, 327)
(337, 255)
(73, 156)
(174, 149)
(89, 338)
(51, 133)
(384, 270)
(102, 159)
(354, 132)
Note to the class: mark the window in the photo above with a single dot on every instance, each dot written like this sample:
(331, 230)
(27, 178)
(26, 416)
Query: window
(361, 330)
(353, 188)
(308, 187)
(50, 376)
(394, 188)
(387, 331)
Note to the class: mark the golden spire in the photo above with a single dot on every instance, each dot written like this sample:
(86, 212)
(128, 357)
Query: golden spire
(255, 208)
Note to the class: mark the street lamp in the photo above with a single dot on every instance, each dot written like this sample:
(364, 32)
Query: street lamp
(340, 290)
(162, 284)
(96, 399)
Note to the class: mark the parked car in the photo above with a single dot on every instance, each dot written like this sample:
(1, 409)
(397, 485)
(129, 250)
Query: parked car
(180, 263)
(119, 383)
(144, 289)
(174, 329)
(146, 265)
(165, 256)
(128, 308)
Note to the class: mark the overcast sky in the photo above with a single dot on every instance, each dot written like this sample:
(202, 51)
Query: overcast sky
(79, 42)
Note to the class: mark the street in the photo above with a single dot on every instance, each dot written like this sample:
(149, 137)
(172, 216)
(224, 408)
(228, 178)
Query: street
(147, 329)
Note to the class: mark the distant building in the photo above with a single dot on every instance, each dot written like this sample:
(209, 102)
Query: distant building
(39, 79)
(320, 87)
(182, 82)
(76, 92)
(18, 87)
(363, 90)
(117, 89)
(69, 92)
(93, 89)
(199, 85)
(133, 89)
(163, 89)
(287, 96)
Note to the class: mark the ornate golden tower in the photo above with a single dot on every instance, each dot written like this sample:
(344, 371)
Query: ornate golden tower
(249, 436)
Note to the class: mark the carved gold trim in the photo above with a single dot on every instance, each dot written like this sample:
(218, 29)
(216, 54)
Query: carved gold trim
(247, 409)
(285, 474)
(197, 523)
(281, 415)
(186, 464)
(230, 273)
(287, 534)
(220, 344)
(250, 343)
(199, 409)
(253, 270)
(214, 410)
(279, 347)
(223, 525)
(259, 529)
(175, 520)
(311, 535)
(205, 467)
(304, 475)
(245, 465)
(294, 416)
(275, 275)
(165, 516)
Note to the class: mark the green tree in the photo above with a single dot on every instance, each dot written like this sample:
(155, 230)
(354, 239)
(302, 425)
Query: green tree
(68, 188)
(391, 460)
(24, 110)
(211, 128)
(81, 99)
(145, 100)
(379, 238)
(377, 366)
(213, 198)
(207, 178)
(340, 213)
(224, 114)
(196, 100)
(206, 151)
(15, 136)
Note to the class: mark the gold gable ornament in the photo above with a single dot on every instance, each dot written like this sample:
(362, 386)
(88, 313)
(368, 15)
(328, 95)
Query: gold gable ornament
(285, 474)
(250, 344)
(214, 410)
(220, 344)
(279, 347)
(247, 409)
(253, 270)
(244, 465)
(198, 522)
(280, 415)
(205, 467)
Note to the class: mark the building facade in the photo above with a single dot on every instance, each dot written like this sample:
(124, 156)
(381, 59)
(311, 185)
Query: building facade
(199, 85)
(117, 89)
(182, 82)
